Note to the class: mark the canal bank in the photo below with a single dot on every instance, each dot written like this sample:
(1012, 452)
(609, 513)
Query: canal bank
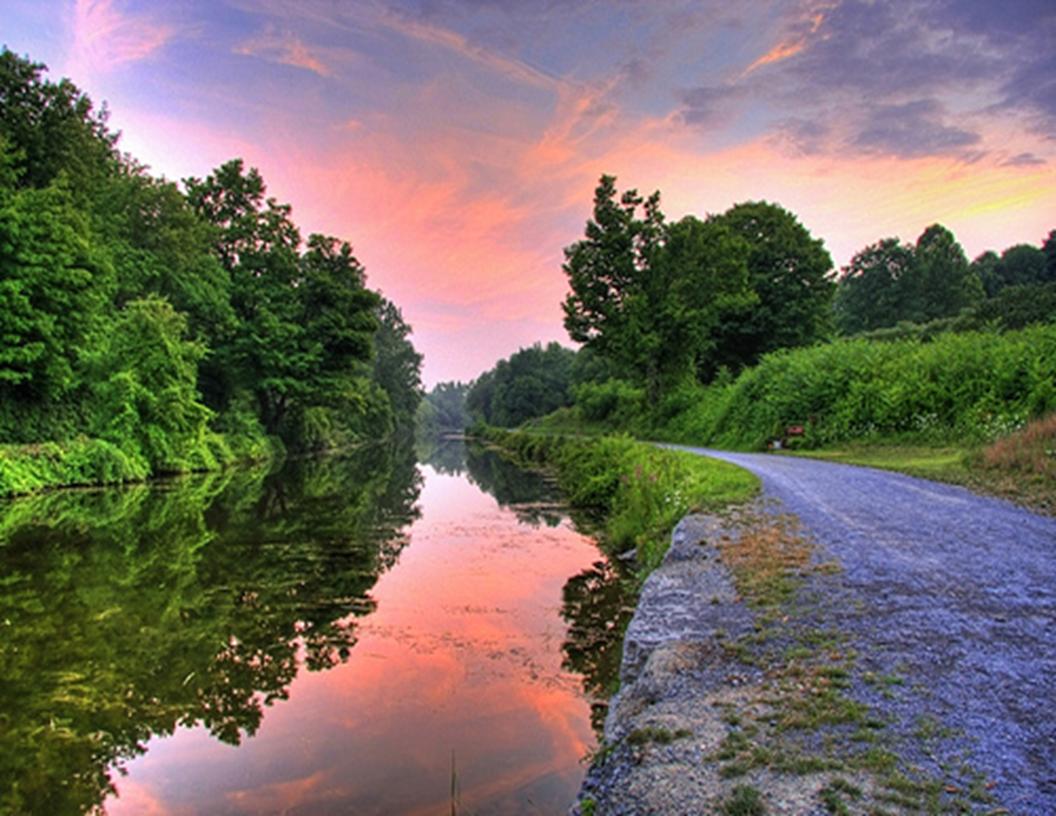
(882, 650)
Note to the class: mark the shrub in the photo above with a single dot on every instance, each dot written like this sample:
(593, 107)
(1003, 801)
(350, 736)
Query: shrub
(974, 386)
(614, 401)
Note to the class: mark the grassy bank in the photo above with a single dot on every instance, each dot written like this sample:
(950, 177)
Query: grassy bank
(637, 492)
(85, 461)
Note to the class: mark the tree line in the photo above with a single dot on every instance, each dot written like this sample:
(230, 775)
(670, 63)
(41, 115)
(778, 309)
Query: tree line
(178, 325)
(659, 305)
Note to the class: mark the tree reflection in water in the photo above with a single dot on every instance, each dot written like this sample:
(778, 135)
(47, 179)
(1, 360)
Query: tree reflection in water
(597, 603)
(126, 613)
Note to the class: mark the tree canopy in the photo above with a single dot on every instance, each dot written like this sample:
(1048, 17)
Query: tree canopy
(530, 383)
(931, 284)
(173, 323)
(667, 302)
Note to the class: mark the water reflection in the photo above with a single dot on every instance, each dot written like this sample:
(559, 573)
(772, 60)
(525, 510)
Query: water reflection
(598, 601)
(152, 628)
(598, 605)
(444, 454)
(534, 498)
(126, 613)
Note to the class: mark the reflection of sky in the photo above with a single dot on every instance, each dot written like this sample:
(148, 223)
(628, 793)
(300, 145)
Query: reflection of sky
(456, 143)
(462, 659)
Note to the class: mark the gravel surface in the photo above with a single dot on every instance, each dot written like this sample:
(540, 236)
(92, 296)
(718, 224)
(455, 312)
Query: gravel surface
(952, 594)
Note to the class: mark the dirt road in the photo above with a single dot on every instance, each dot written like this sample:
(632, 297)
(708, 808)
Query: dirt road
(953, 596)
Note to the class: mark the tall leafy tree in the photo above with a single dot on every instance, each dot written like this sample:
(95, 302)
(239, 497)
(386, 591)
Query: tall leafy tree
(871, 293)
(531, 382)
(788, 270)
(988, 267)
(397, 364)
(651, 297)
(702, 284)
(52, 129)
(943, 280)
(1049, 248)
(447, 407)
(340, 315)
(257, 243)
(55, 285)
(161, 246)
(612, 304)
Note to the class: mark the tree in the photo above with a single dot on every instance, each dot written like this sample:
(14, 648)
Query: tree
(397, 364)
(649, 297)
(55, 284)
(161, 246)
(943, 282)
(146, 385)
(871, 292)
(1049, 248)
(702, 285)
(531, 382)
(988, 267)
(340, 315)
(788, 271)
(447, 401)
(612, 306)
(269, 353)
(52, 129)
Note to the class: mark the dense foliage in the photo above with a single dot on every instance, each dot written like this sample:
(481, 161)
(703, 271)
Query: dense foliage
(972, 386)
(665, 303)
(444, 409)
(932, 285)
(532, 382)
(144, 329)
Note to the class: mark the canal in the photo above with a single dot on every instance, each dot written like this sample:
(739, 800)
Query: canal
(364, 634)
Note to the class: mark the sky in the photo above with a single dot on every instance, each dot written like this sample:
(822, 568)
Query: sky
(456, 144)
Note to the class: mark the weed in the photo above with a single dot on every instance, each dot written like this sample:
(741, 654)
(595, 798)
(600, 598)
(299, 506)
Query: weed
(744, 801)
(832, 799)
(656, 734)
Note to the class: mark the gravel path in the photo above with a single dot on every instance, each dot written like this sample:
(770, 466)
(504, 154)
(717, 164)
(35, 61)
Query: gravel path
(955, 593)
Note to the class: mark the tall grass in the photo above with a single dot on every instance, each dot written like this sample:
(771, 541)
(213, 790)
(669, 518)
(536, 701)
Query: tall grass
(972, 387)
(1031, 451)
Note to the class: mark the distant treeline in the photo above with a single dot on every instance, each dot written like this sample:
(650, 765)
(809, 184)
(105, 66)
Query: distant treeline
(665, 310)
(147, 327)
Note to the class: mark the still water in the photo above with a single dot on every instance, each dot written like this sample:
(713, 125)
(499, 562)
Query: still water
(364, 635)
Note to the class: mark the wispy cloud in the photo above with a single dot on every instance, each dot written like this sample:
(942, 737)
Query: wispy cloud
(459, 44)
(792, 44)
(913, 129)
(1023, 160)
(284, 48)
(105, 38)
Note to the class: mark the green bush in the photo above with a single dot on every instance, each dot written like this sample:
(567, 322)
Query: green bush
(83, 461)
(616, 402)
(973, 386)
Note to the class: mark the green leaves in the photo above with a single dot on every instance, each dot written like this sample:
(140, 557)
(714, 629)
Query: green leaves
(667, 302)
(54, 287)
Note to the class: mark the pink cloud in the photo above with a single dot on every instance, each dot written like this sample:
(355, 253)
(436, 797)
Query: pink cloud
(106, 38)
(285, 49)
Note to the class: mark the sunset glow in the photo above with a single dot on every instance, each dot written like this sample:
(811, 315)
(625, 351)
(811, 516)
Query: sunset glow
(456, 143)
